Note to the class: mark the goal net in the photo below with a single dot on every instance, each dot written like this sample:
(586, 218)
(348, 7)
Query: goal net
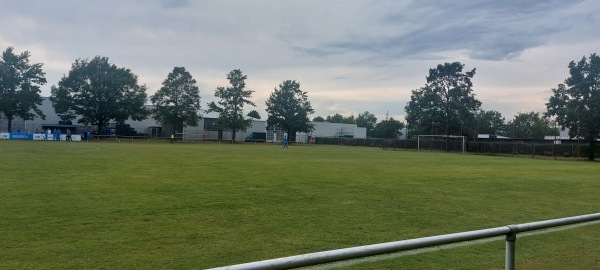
(194, 136)
(441, 143)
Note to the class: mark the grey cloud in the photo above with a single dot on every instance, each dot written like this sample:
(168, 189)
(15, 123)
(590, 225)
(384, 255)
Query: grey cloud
(338, 47)
(383, 79)
(174, 3)
(487, 30)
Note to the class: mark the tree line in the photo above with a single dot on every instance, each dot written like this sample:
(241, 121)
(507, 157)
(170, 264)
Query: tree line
(96, 92)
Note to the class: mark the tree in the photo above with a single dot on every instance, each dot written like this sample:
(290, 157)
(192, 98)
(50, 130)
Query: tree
(366, 120)
(445, 104)
(388, 128)
(20, 83)
(531, 125)
(231, 105)
(576, 104)
(318, 119)
(336, 118)
(177, 103)
(489, 122)
(288, 109)
(99, 92)
(349, 120)
(254, 114)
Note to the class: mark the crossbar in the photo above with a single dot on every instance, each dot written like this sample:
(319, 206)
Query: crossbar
(510, 231)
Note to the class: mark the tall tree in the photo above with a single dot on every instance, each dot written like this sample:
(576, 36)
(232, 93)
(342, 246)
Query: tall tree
(254, 114)
(99, 92)
(446, 102)
(576, 104)
(231, 105)
(20, 83)
(530, 125)
(388, 128)
(177, 103)
(336, 118)
(288, 109)
(349, 120)
(489, 122)
(366, 120)
(319, 119)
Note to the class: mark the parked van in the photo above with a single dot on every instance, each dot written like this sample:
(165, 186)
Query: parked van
(257, 137)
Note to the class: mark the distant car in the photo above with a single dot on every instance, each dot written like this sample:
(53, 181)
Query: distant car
(257, 137)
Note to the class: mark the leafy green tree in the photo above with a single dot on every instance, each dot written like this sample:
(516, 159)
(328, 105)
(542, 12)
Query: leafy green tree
(231, 105)
(445, 104)
(177, 103)
(336, 118)
(531, 125)
(349, 120)
(99, 92)
(367, 120)
(318, 119)
(489, 122)
(254, 114)
(388, 128)
(576, 104)
(288, 109)
(20, 83)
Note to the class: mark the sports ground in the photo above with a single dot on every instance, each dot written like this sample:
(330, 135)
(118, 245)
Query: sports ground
(155, 205)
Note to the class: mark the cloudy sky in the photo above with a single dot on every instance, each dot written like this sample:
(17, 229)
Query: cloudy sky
(350, 56)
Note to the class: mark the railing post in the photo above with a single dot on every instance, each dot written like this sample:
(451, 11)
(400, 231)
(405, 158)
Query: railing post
(511, 238)
(335, 255)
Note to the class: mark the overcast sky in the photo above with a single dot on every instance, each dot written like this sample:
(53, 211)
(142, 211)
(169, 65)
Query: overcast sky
(350, 56)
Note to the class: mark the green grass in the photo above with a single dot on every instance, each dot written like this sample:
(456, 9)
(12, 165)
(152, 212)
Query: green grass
(145, 205)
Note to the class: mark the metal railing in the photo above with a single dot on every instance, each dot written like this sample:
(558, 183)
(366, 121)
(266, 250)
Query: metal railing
(510, 231)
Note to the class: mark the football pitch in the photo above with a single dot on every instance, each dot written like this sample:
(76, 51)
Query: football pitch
(155, 205)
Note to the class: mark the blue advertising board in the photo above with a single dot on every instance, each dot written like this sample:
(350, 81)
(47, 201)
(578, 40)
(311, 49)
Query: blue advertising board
(21, 136)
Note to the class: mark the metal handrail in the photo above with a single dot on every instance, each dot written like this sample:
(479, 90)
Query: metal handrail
(510, 231)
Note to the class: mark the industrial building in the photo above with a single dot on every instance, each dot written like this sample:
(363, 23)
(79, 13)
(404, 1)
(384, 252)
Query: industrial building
(207, 128)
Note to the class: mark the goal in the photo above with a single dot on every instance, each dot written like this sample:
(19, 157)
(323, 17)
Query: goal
(441, 142)
(195, 136)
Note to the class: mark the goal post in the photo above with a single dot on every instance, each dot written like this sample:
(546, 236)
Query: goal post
(195, 136)
(461, 139)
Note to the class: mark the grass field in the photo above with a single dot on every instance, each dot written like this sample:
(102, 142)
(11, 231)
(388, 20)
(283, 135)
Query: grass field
(154, 205)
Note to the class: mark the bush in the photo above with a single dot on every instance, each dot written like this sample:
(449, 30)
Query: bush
(585, 150)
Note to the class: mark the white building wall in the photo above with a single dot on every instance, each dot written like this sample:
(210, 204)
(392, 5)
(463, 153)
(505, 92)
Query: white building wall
(257, 126)
(35, 124)
(326, 129)
(360, 132)
(322, 129)
(144, 126)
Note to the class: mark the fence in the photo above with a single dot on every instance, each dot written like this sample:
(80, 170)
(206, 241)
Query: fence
(510, 231)
(500, 147)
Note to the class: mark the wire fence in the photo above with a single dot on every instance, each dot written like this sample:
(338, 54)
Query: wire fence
(520, 147)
